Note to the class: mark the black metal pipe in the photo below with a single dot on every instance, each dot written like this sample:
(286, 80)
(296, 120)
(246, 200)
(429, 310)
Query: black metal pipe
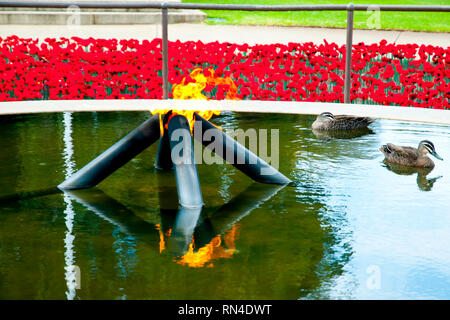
(242, 158)
(163, 158)
(348, 54)
(245, 7)
(165, 51)
(182, 153)
(406, 8)
(212, 6)
(115, 157)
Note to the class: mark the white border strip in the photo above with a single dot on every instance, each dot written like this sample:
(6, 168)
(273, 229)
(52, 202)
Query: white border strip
(257, 106)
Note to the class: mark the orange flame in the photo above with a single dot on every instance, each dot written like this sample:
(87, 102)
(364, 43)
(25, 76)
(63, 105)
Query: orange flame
(213, 250)
(191, 88)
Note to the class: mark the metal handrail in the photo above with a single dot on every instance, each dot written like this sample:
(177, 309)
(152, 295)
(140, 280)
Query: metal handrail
(165, 6)
(213, 6)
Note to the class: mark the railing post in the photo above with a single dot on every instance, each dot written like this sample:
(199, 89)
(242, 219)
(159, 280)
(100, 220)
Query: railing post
(165, 52)
(348, 53)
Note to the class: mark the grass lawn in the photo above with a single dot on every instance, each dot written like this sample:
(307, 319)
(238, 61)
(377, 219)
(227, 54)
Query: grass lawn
(418, 21)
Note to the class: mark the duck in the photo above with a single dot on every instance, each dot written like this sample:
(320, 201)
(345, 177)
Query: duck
(409, 156)
(327, 121)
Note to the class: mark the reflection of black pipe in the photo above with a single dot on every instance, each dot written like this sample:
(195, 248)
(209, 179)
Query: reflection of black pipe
(167, 191)
(168, 200)
(109, 209)
(182, 152)
(183, 229)
(242, 205)
(115, 157)
(28, 195)
(163, 159)
(181, 221)
(115, 213)
(192, 222)
(185, 223)
(233, 211)
(243, 159)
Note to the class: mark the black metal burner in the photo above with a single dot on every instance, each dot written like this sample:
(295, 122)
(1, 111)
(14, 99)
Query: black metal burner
(188, 185)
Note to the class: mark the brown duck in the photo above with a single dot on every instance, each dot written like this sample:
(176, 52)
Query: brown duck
(327, 121)
(409, 156)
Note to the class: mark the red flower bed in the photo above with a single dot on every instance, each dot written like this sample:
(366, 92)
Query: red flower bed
(386, 74)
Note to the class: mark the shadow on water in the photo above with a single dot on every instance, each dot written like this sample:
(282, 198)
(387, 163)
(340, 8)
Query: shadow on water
(341, 134)
(423, 182)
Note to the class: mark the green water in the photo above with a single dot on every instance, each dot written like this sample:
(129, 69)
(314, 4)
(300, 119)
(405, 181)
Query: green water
(350, 228)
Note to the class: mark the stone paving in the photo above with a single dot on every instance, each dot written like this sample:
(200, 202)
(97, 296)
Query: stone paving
(221, 33)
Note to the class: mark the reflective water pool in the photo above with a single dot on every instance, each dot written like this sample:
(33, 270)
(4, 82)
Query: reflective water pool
(351, 227)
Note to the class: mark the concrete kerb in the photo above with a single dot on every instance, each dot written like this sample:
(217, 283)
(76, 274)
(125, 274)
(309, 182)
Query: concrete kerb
(289, 107)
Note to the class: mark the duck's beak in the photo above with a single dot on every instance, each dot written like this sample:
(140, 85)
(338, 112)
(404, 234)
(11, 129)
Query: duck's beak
(436, 155)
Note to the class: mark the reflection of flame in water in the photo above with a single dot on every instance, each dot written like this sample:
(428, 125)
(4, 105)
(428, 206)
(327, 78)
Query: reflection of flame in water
(213, 250)
(162, 242)
(191, 87)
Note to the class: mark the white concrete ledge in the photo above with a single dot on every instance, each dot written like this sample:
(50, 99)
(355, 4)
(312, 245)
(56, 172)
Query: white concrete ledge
(292, 107)
(97, 17)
